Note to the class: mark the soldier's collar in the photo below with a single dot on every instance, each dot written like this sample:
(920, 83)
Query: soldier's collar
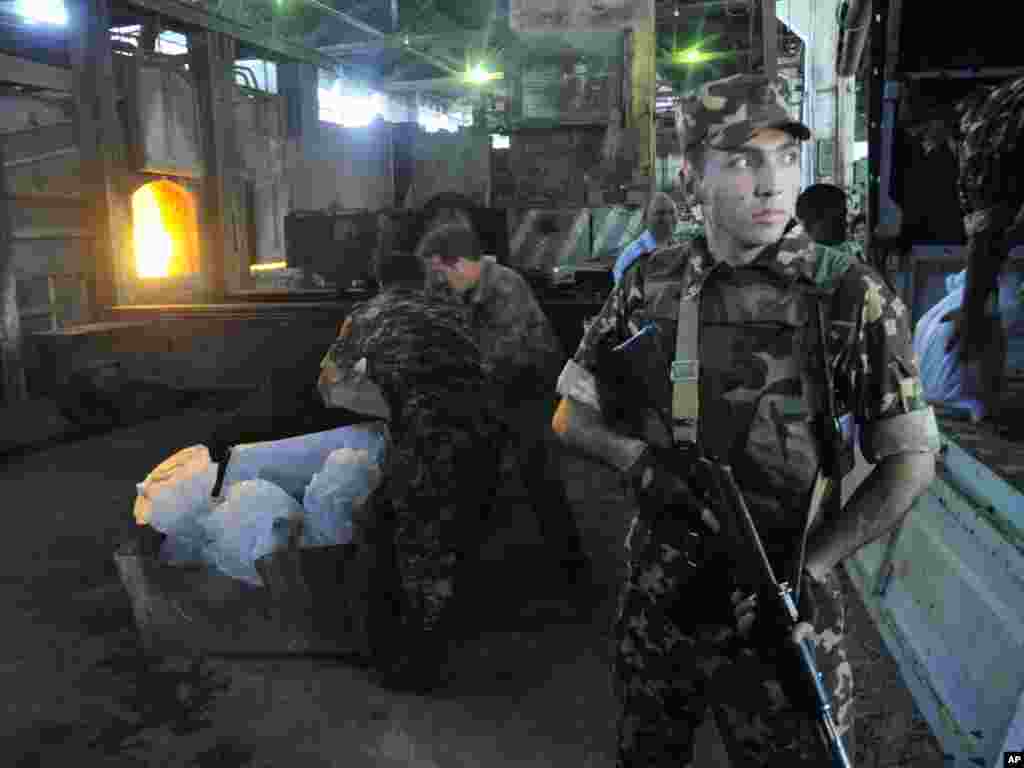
(792, 257)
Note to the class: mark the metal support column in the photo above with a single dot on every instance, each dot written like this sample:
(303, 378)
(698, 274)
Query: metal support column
(100, 141)
(643, 92)
(212, 59)
(12, 372)
(769, 37)
(876, 88)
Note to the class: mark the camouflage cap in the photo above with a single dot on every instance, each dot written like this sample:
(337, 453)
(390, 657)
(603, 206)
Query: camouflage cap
(726, 113)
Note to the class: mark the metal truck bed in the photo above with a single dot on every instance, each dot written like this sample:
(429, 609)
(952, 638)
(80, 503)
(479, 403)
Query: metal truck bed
(946, 591)
(310, 605)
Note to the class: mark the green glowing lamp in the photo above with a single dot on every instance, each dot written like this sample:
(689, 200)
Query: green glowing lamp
(691, 56)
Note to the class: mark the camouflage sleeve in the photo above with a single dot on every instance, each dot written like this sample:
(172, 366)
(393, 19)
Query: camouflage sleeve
(609, 328)
(340, 351)
(517, 339)
(540, 344)
(887, 398)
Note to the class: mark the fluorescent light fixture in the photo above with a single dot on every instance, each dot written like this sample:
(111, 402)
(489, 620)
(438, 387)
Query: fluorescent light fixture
(269, 266)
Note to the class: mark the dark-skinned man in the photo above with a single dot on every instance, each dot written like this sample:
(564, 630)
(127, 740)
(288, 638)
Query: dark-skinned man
(689, 642)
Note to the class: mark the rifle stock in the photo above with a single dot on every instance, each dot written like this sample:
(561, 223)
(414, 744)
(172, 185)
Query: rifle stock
(732, 499)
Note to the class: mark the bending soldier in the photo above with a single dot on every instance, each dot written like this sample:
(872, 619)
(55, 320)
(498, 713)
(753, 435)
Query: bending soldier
(744, 330)
(412, 360)
(524, 357)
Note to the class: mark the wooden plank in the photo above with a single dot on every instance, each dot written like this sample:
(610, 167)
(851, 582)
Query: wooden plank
(14, 69)
(101, 143)
(12, 372)
(45, 218)
(57, 174)
(35, 142)
(42, 161)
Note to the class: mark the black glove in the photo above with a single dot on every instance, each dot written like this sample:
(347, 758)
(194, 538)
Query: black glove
(660, 477)
(771, 627)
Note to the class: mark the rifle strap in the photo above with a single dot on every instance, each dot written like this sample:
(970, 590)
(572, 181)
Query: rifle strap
(686, 366)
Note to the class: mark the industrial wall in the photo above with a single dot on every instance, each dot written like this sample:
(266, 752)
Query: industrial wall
(51, 241)
(450, 162)
(345, 168)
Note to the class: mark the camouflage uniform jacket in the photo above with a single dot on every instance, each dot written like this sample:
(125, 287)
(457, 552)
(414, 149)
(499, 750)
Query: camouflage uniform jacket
(881, 389)
(516, 338)
(422, 356)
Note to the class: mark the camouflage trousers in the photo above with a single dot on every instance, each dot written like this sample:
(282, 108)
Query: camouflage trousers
(679, 658)
(420, 535)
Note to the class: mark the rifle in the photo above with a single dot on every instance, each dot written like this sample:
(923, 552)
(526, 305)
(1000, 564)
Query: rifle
(732, 499)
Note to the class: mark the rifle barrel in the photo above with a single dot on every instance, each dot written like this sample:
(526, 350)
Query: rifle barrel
(829, 733)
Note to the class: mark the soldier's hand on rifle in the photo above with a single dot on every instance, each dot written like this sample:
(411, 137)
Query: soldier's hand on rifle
(745, 611)
(767, 623)
(661, 476)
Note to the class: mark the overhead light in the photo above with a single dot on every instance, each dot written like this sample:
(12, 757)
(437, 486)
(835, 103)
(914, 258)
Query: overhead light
(478, 75)
(43, 11)
(406, 41)
(675, 12)
(691, 56)
(269, 266)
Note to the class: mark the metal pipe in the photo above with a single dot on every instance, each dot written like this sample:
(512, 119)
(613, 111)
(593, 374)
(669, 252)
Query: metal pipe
(855, 30)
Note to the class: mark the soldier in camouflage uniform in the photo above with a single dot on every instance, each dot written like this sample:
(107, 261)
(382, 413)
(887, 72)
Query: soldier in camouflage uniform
(524, 357)
(688, 647)
(412, 359)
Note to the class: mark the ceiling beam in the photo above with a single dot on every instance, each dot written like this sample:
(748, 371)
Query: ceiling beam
(440, 63)
(237, 28)
(398, 41)
(667, 10)
(446, 84)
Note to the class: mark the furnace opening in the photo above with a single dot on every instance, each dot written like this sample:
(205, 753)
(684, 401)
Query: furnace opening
(165, 231)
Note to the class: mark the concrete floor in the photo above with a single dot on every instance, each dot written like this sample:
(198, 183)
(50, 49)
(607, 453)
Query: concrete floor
(79, 692)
